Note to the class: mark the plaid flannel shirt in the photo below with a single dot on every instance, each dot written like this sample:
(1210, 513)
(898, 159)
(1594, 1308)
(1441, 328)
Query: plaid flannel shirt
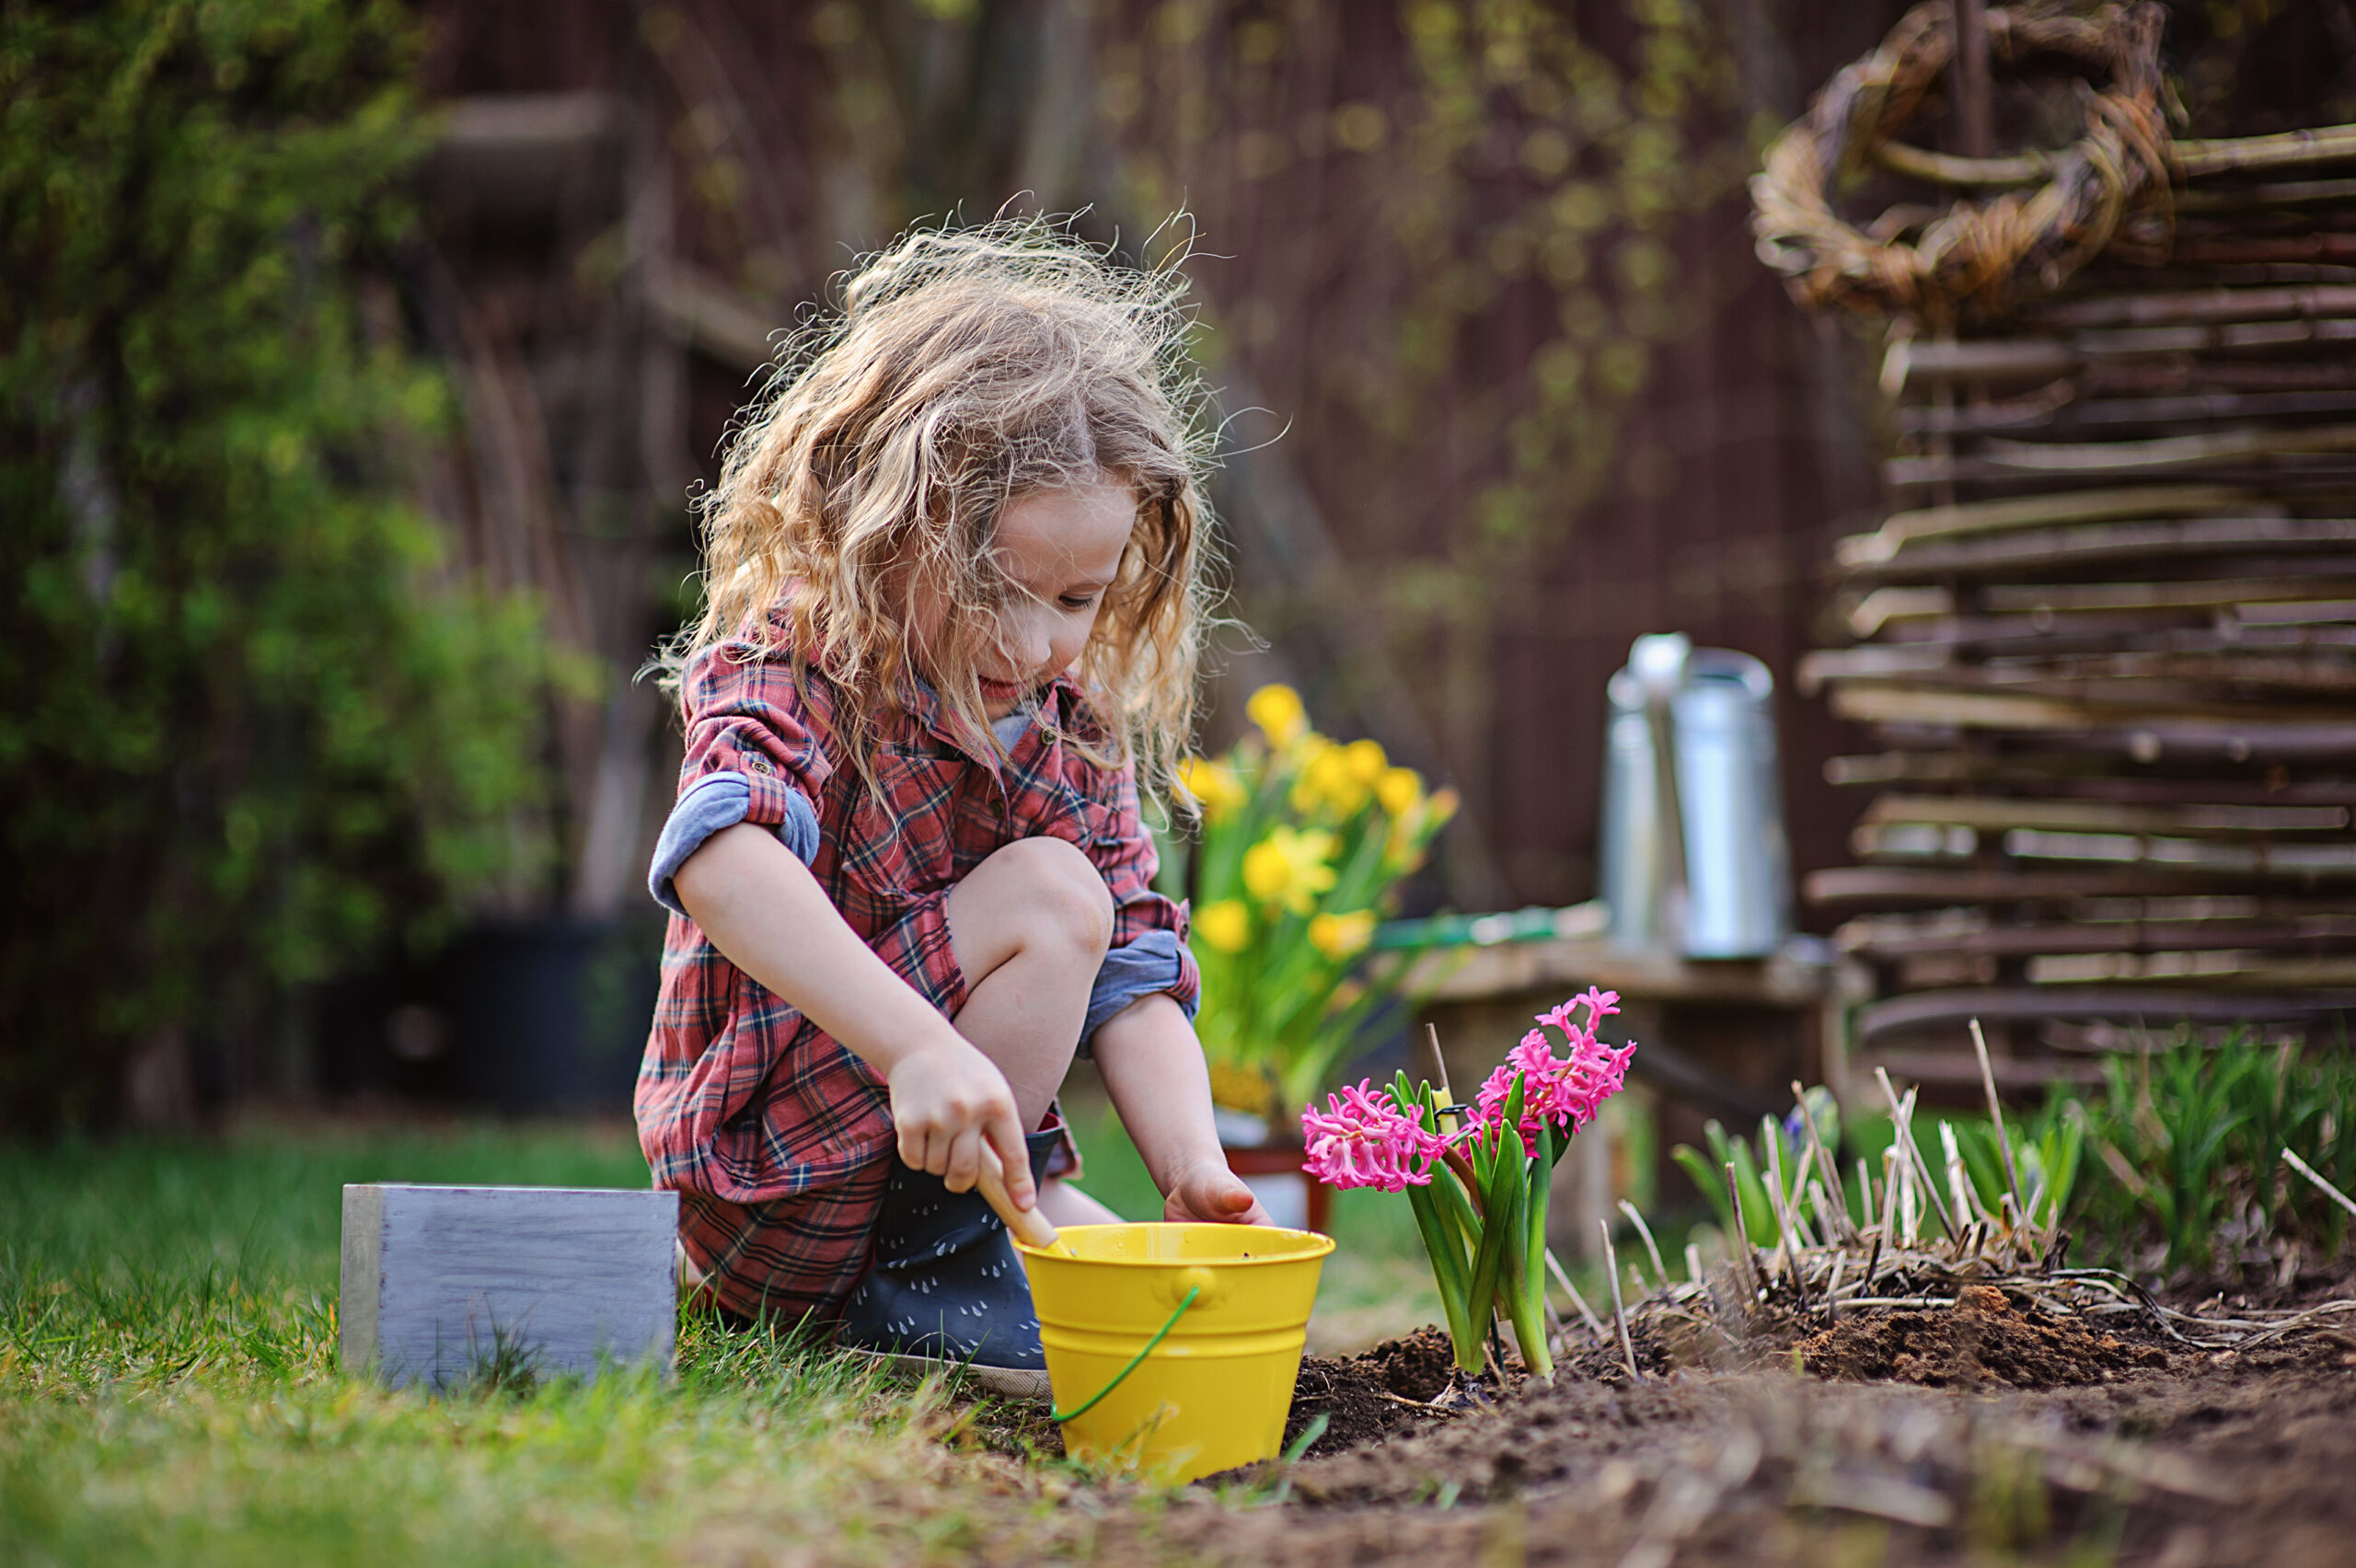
(777, 1137)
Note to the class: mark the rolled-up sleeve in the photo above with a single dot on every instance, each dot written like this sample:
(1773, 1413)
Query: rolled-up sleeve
(751, 757)
(1156, 962)
(1149, 952)
(714, 801)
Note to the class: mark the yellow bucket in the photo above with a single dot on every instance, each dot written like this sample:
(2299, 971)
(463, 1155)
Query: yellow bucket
(1213, 1392)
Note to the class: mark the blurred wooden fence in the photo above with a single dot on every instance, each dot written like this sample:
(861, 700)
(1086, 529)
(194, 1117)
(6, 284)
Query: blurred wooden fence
(2103, 645)
(1504, 388)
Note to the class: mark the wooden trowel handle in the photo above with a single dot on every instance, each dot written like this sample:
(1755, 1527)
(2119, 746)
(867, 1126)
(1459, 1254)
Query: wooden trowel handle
(1030, 1226)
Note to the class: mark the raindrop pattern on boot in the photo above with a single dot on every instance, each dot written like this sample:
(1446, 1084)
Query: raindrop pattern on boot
(946, 1281)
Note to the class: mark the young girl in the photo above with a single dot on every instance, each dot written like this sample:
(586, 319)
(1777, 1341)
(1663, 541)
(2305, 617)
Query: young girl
(953, 585)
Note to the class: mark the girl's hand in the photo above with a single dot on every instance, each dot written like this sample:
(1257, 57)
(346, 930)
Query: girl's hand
(947, 1099)
(1214, 1194)
(763, 909)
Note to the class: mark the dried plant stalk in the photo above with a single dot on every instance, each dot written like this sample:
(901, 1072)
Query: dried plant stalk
(1660, 1270)
(1619, 1311)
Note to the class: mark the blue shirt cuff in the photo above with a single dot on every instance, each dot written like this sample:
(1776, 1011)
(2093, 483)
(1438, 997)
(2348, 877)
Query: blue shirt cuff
(718, 800)
(1148, 964)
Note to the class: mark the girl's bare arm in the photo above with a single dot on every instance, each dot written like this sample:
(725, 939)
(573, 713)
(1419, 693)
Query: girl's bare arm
(768, 915)
(1154, 1067)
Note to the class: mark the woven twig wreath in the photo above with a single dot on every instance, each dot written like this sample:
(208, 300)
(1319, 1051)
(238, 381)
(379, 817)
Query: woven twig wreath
(1979, 258)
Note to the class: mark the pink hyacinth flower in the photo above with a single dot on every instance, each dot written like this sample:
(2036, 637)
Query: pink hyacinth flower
(1362, 1139)
(1599, 1006)
(1566, 1091)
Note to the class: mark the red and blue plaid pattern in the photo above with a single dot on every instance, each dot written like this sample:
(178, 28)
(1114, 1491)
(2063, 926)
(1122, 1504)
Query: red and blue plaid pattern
(778, 1138)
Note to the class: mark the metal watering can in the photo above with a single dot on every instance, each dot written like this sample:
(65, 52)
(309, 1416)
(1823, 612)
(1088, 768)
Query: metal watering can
(1694, 859)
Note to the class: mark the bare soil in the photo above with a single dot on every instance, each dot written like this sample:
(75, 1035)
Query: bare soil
(1367, 1398)
(1983, 1342)
(1993, 1429)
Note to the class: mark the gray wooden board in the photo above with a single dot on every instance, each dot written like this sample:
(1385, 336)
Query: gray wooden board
(438, 1282)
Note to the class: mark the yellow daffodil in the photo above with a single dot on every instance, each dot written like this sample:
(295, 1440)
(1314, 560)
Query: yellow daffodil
(1241, 1087)
(1342, 936)
(1410, 827)
(1289, 868)
(1214, 787)
(1401, 791)
(1226, 925)
(1277, 815)
(1327, 780)
(1277, 711)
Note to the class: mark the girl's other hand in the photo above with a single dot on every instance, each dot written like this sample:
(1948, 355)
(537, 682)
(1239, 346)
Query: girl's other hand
(1215, 1195)
(947, 1100)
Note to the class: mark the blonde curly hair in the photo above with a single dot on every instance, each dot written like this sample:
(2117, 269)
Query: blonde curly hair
(966, 368)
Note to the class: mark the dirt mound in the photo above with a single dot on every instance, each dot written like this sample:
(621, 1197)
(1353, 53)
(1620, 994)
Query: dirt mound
(1367, 1398)
(1984, 1341)
(1418, 1367)
(1352, 1399)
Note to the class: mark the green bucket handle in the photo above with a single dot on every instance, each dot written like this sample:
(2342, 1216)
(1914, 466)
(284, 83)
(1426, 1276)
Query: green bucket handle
(1134, 1362)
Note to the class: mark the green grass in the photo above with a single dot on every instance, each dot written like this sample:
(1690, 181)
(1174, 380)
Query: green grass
(2186, 1140)
(168, 1390)
(168, 1393)
(133, 1257)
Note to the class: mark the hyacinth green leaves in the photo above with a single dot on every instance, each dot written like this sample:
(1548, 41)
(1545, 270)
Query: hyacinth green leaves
(1483, 1219)
(1477, 1177)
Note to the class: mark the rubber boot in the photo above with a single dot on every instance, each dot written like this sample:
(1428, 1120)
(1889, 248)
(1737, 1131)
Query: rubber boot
(946, 1284)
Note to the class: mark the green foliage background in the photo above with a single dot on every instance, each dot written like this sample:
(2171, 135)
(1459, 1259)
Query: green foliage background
(254, 723)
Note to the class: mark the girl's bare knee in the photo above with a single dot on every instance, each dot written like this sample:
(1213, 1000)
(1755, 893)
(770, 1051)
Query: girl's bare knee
(1058, 892)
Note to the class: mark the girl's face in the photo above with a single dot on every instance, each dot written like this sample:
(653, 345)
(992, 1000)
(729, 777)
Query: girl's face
(1058, 551)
